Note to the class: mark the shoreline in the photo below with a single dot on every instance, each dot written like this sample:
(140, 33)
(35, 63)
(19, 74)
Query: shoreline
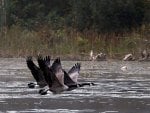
(64, 58)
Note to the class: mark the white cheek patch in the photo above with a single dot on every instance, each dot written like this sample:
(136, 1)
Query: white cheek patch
(36, 86)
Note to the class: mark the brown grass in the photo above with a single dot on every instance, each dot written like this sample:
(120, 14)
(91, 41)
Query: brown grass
(18, 42)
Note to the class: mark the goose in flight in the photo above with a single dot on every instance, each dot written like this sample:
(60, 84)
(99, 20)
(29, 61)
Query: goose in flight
(37, 74)
(58, 79)
(54, 76)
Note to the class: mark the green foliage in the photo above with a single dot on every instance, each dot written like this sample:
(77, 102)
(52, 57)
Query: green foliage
(81, 14)
(98, 15)
(55, 21)
(30, 13)
(147, 12)
(117, 16)
(62, 26)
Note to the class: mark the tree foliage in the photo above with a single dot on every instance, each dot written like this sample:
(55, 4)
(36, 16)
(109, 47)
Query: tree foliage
(98, 15)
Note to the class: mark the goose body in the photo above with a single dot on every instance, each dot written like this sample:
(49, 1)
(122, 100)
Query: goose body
(61, 80)
(54, 76)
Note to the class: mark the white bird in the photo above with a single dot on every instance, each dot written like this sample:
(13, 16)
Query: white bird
(129, 57)
(124, 68)
(92, 57)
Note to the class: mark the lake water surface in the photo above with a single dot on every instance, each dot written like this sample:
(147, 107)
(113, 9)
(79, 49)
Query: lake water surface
(116, 91)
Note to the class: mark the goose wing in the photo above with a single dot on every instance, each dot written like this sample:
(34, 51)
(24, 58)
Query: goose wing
(36, 71)
(47, 61)
(67, 80)
(48, 75)
(58, 83)
(74, 72)
(58, 71)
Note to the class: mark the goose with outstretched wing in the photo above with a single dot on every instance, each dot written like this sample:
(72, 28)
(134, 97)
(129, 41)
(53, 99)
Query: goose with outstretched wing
(37, 74)
(73, 75)
(74, 72)
(59, 80)
(54, 76)
(44, 64)
(58, 84)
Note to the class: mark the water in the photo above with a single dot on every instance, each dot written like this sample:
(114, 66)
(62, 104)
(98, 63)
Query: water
(117, 91)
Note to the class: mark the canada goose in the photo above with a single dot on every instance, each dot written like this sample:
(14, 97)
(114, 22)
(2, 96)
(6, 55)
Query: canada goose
(58, 79)
(54, 76)
(57, 70)
(37, 74)
(73, 73)
(42, 62)
(63, 77)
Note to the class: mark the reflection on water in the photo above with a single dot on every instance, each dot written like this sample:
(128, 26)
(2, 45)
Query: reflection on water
(117, 91)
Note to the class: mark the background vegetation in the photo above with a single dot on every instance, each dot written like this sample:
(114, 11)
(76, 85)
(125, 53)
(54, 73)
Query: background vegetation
(71, 28)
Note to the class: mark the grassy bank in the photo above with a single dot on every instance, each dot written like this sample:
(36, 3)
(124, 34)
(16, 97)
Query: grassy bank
(17, 42)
